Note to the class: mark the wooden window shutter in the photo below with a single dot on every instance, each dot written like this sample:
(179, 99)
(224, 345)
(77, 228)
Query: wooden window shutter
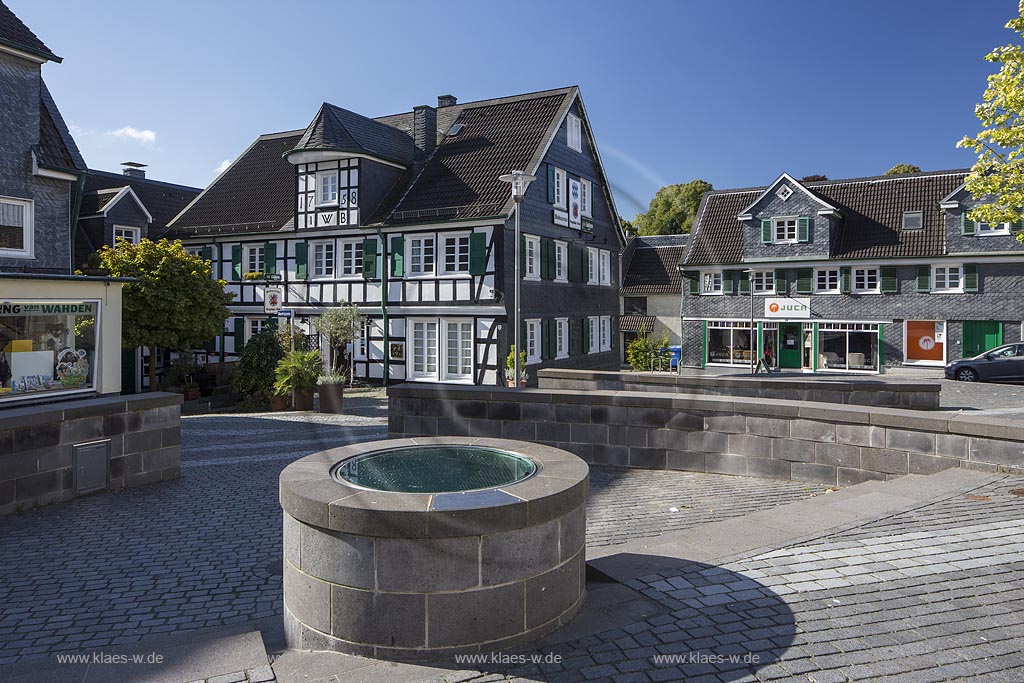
(804, 276)
(803, 229)
(573, 261)
(890, 280)
(269, 258)
(551, 184)
(301, 260)
(967, 226)
(239, 334)
(369, 258)
(970, 277)
(1016, 226)
(845, 280)
(477, 253)
(924, 278)
(584, 264)
(207, 253)
(574, 339)
(398, 256)
(545, 258)
(781, 284)
(587, 336)
(236, 262)
(744, 282)
(766, 230)
(727, 282)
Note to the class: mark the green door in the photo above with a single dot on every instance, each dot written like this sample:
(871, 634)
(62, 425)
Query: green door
(980, 335)
(789, 345)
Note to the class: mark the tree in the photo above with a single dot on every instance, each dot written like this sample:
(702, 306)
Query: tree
(339, 326)
(900, 169)
(627, 227)
(673, 209)
(997, 177)
(813, 178)
(257, 365)
(174, 302)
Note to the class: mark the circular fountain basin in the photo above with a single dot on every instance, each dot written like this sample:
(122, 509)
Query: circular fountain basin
(410, 548)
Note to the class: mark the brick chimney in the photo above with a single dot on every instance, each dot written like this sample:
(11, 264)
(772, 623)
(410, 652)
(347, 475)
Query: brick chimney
(424, 131)
(446, 101)
(133, 169)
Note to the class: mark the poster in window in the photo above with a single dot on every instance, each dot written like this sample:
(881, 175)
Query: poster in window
(575, 216)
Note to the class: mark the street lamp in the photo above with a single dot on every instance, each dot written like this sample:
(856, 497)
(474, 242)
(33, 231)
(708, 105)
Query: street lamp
(750, 290)
(519, 181)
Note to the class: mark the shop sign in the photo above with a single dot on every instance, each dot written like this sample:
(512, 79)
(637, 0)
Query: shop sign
(560, 217)
(47, 308)
(787, 307)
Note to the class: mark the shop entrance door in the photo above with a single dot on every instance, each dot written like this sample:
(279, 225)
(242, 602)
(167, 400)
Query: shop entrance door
(789, 345)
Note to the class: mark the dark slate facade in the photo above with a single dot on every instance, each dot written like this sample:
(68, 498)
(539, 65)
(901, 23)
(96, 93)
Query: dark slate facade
(924, 289)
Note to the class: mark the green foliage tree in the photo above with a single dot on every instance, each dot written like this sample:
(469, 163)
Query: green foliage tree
(339, 326)
(673, 209)
(174, 302)
(997, 177)
(645, 353)
(627, 227)
(255, 372)
(900, 169)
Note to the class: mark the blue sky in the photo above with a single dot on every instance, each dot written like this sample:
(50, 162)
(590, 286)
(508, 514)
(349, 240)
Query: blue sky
(732, 91)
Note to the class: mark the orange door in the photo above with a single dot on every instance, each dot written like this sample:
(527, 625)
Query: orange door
(925, 340)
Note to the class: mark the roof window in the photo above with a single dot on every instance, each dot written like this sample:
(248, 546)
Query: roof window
(913, 220)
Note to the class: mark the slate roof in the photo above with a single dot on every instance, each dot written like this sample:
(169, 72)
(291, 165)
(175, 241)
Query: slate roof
(654, 265)
(15, 34)
(57, 149)
(871, 227)
(337, 129)
(163, 200)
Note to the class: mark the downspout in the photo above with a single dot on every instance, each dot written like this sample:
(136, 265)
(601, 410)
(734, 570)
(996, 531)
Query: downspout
(384, 265)
(79, 191)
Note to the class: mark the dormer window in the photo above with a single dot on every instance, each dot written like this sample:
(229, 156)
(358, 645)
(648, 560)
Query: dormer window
(327, 184)
(785, 230)
(913, 220)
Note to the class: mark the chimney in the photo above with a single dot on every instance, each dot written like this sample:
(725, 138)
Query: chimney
(133, 169)
(424, 131)
(446, 101)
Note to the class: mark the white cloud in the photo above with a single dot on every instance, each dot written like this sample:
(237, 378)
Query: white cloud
(144, 136)
(222, 166)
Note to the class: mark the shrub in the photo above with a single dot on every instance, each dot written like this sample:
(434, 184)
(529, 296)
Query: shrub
(297, 371)
(254, 372)
(644, 353)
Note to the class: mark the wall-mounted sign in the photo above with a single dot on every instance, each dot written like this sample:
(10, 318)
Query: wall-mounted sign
(575, 212)
(272, 299)
(396, 350)
(787, 307)
(560, 217)
(588, 225)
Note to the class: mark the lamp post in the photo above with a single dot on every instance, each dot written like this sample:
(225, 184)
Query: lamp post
(519, 181)
(750, 290)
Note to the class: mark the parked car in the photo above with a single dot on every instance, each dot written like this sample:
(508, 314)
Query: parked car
(1001, 364)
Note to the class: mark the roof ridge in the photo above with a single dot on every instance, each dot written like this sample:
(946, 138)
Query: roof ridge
(150, 181)
(472, 104)
(849, 181)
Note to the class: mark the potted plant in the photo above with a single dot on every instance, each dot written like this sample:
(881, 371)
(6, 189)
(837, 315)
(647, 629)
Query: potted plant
(297, 374)
(510, 365)
(253, 275)
(332, 389)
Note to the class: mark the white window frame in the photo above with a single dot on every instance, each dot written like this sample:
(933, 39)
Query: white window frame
(593, 277)
(28, 229)
(762, 282)
(827, 290)
(260, 323)
(988, 230)
(531, 258)
(716, 282)
(592, 325)
(442, 253)
(321, 176)
(357, 259)
(561, 262)
(424, 266)
(945, 288)
(605, 327)
(425, 374)
(586, 198)
(260, 251)
(533, 341)
(135, 233)
(445, 338)
(574, 132)
(604, 259)
(783, 222)
(560, 189)
(561, 338)
(329, 272)
(864, 271)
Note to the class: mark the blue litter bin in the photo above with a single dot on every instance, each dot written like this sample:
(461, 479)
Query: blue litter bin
(675, 355)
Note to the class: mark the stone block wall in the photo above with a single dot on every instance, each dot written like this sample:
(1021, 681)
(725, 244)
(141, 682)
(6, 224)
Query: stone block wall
(804, 441)
(37, 445)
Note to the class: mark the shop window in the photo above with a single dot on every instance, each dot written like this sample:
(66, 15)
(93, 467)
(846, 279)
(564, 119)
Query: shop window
(848, 346)
(47, 347)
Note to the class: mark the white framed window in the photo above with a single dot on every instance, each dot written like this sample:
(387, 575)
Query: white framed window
(532, 341)
(16, 227)
(351, 262)
(586, 198)
(866, 280)
(711, 282)
(424, 349)
(561, 262)
(992, 228)
(606, 333)
(762, 281)
(593, 335)
(254, 257)
(456, 253)
(531, 258)
(574, 133)
(947, 279)
(784, 229)
(194, 251)
(913, 220)
(826, 281)
(559, 188)
(561, 338)
(323, 259)
(605, 267)
(458, 344)
(129, 234)
(593, 277)
(421, 255)
(327, 188)
(254, 327)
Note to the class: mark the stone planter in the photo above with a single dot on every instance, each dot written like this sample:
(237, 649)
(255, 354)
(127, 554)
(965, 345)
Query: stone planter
(303, 399)
(331, 396)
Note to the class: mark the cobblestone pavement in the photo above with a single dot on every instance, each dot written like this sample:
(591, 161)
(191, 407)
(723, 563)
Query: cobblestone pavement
(263, 674)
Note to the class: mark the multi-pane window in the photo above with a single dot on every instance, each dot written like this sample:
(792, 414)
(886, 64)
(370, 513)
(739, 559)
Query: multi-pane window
(459, 346)
(826, 280)
(592, 335)
(606, 333)
(785, 230)
(605, 269)
(133, 235)
(711, 282)
(327, 184)
(323, 259)
(424, 348)
(561, 254)
(559, 188)
(574, 133)
(947, 279)
(992, 228)
(865, 280)
(762, 281)
(254, 255)
(421, 255)
(15, 225)
(562, 337)
(456, 254)
(592, 274)
(586, 197)
(531, 258)
(256, 325)
(351, 258)
(532, 341)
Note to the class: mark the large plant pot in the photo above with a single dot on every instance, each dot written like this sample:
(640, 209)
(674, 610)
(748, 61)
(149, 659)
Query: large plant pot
(191, 393)
(303, 399)
(278, 403)
(330, 397)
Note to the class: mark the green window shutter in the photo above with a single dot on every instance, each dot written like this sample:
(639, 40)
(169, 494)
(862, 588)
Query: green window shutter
(967, 226)
(236, 262)
(477, 253)
(398, 255)
(548, 333)
(970, 277)
(239, 335)
(272, 324)
(924, 278)
(551, 184)
(766, 230)
(1016, 226)
(586, 336)
(545, 259)
(890, 280)
(694, 278)
(584, 265)
(781, 285)
(269, 258)
(207, 253)
(301, 260)
(744, 282)
(522, 255)
(804, 276)
(727, 280)
(803, 229)
(574, 339)
(369, 259)
(571, 254)
(845, 280)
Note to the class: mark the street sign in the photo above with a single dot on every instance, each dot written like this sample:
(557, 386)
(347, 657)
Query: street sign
(284, 313)
(787, 307)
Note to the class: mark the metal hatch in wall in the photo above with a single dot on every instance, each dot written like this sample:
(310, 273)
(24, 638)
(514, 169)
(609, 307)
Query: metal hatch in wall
(91, 462)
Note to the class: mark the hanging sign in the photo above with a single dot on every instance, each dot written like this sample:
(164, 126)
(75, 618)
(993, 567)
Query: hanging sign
(272, 299)
(575, 215)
